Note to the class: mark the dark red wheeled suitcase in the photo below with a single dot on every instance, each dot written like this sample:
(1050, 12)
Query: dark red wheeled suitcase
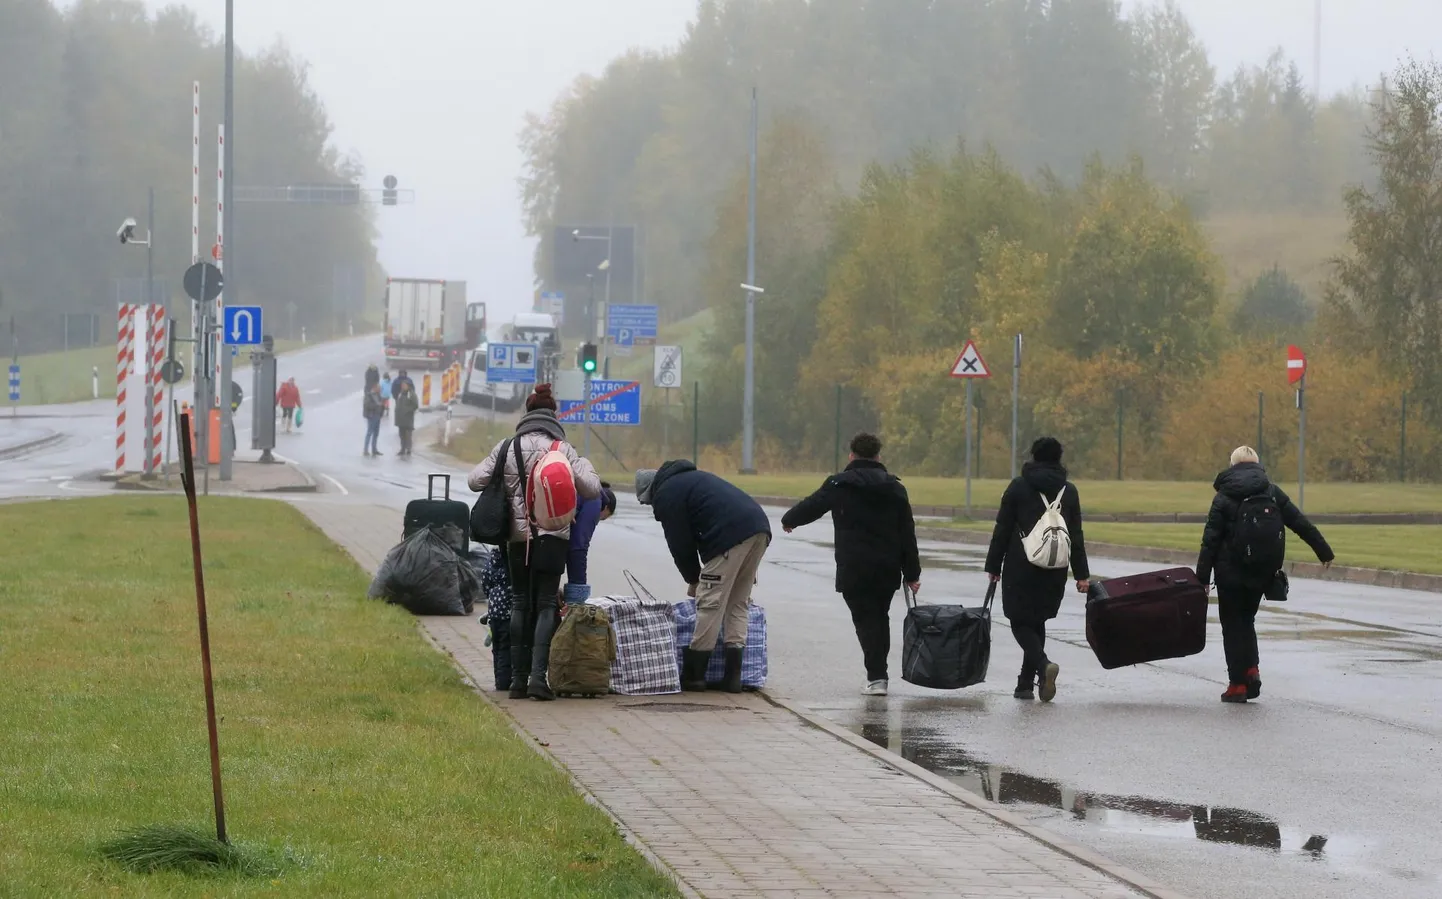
(1147, 617)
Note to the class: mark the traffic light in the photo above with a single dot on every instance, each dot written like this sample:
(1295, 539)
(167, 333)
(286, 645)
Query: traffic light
(588, 358)
(388, 196)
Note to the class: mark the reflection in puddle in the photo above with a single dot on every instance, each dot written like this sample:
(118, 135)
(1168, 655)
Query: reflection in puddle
(1131, 814)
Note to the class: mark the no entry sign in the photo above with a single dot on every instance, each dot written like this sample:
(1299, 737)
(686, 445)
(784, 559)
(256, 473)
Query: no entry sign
(1296, 364)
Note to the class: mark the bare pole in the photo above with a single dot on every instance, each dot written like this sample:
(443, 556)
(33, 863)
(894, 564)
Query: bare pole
(748, 440)
(227, 440)
(1317, 54)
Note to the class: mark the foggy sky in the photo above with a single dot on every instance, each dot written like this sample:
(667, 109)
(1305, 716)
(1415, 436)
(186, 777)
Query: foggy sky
(434, 91)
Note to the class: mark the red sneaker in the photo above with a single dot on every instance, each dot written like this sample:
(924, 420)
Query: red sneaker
(1254, 683)
(1235, 693)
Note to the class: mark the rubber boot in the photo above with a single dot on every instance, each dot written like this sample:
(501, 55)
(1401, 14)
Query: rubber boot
(1254, 683)
(540, 688)
(693, 670)
(520, 671)
(732, 681)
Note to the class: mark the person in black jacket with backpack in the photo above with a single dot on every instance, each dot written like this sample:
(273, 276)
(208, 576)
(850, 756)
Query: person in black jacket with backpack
(1244, 546)
(1030, 594)
(875, 547)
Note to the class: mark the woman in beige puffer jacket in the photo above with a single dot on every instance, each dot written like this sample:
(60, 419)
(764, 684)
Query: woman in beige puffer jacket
(536, 558)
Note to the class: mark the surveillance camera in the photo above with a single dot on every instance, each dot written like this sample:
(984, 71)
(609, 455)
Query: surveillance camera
(576, 234)
(127, 230)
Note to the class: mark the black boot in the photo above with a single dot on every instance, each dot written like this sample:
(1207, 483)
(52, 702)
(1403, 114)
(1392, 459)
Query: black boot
(693, 669)
(733, 668)
(540, 688)
(1025, 686)
(520, 671)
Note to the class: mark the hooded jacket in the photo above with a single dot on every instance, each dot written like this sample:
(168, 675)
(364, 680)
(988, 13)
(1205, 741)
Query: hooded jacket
(1029, 593)
(1237, 483)
(407, 403)
(875, 530)
(702, 515)
(535, 433)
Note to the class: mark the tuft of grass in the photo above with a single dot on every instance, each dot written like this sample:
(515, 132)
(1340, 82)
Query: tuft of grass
(343, 735)
(187, 850)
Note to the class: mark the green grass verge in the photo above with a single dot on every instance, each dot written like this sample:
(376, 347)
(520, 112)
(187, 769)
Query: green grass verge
(352, 751)
(1392, 547)
(1116, 497)
(65, 377)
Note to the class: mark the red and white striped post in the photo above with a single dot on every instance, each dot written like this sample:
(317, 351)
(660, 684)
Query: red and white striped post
(219, 253)
(124, 358)
(158, 335)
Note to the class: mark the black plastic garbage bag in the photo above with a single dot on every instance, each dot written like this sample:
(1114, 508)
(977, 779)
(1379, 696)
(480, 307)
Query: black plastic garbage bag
(425, 574)
(946, 647)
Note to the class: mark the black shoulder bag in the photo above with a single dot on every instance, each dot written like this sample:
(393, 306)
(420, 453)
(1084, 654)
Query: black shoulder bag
(491, 515)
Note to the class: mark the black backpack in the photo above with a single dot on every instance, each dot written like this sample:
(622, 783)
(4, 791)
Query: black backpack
(1260, 536)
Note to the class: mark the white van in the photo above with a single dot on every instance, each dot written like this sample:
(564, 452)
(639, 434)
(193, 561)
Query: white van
(476, 389)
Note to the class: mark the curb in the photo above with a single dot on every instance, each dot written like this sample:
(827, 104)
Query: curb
(1367, 577)
(31, 446)
(632, 840)
(158, 485)
(1092, 860)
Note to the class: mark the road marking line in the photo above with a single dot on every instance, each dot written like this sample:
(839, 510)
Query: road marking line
(338, 485)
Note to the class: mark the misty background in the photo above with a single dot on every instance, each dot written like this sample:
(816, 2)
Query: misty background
(435, 91)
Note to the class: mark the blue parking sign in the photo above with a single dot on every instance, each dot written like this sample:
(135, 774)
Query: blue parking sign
(616, 403)
(511, 363)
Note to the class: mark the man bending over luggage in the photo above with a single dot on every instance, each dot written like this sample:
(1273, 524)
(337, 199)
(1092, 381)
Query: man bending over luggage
(717, 535)
(1244, 544)
(875, 547)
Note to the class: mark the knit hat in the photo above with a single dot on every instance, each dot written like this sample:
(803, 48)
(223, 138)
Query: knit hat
(541, 399)
(644, 479)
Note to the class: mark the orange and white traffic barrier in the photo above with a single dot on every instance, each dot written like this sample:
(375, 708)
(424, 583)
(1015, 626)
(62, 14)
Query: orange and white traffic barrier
(426, 391)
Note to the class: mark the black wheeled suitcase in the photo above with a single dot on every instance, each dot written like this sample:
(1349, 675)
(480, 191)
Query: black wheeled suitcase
(1147, 617)
(437, 513)
(946, 647)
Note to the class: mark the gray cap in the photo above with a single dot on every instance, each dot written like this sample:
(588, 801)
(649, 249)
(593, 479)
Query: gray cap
(644, 478)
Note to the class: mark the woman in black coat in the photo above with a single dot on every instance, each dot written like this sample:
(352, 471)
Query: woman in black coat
(1031, 596)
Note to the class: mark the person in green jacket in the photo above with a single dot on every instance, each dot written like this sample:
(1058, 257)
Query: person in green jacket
(406, 405)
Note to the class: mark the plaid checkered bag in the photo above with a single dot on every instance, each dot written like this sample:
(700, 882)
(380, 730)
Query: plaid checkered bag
(645, 643)
(754, 668)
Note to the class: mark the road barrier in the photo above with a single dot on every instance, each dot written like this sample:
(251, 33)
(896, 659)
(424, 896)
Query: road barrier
(140, 411)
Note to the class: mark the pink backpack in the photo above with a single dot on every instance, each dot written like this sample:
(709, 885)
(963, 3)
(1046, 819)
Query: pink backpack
(551, 491)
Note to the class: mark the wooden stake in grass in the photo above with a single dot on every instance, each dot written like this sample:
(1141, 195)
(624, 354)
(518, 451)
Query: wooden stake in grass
(188, 480)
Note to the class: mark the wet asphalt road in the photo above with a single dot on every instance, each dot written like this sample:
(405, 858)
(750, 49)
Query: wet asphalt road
(1325, 788)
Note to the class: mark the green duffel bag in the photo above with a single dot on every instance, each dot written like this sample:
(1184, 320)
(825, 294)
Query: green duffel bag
(582, 651)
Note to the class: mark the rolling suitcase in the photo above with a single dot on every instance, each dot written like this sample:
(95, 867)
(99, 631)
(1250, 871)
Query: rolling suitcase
(1147, 617)
(437, 513)
(946, 647)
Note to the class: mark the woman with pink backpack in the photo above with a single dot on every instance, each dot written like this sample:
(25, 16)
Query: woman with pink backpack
(545, 481)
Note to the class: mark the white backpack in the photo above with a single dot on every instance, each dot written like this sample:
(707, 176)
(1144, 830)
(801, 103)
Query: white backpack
(1049, 543)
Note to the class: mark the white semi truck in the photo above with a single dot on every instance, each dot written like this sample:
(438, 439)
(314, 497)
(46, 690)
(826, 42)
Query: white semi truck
(426, 323)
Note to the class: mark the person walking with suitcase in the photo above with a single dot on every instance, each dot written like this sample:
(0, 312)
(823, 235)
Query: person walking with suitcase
(875, 547)
(1244, 546)
(407, 403)
(717, 536)
(1038, 535)
(540, 531)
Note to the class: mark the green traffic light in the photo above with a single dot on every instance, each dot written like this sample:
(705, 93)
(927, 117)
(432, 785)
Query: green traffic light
(590, 365)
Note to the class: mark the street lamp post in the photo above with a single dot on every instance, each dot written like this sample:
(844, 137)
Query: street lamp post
(605, 266)
(585, 375)
(748, 406)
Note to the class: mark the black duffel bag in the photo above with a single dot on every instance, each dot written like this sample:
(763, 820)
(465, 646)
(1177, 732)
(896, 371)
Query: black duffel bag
(946, 647)
(491, 515)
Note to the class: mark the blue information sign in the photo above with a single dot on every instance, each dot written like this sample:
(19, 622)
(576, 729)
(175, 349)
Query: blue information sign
(640, 323)
(14, 383)
(511, 363)
(242, 325)
(612, 403)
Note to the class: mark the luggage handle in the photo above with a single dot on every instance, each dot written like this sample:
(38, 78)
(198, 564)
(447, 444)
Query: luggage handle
(641, 591)
(431, 485)
(990, 596)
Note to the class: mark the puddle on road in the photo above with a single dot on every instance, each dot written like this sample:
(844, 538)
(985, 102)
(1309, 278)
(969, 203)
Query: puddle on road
(1121, 814)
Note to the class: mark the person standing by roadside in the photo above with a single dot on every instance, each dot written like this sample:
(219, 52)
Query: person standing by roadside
(1244, 545)
(288, 398)
(537, 557)
(371, 409)
(717, 536)
(875, 547)
(406, 405)
(1031, 595)
(386, 395)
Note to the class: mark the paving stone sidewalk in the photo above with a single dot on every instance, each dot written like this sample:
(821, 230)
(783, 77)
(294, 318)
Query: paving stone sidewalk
(742, 798)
